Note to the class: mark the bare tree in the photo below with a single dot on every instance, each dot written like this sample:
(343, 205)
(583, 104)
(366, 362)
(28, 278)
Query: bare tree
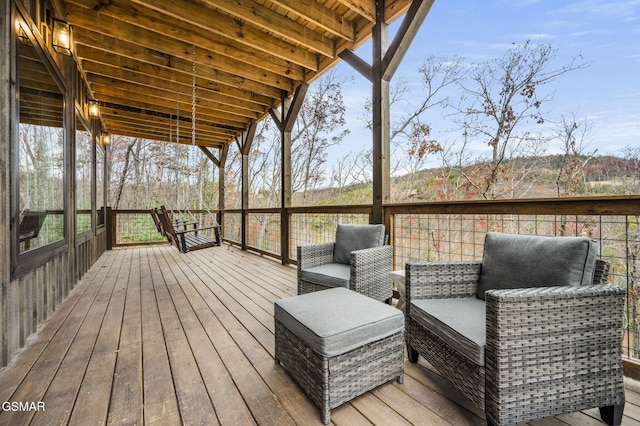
(631, 162)
(319, 125)
(264, 166)
(411, 125)
(121, 149)
(570, 177)
(504, 100)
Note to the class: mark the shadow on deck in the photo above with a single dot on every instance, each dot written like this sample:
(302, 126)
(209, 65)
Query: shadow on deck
(150, 335)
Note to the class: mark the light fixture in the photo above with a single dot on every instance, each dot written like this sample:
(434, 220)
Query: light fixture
(62, 38)
(94, 109)
(22, 36)
(106, 139)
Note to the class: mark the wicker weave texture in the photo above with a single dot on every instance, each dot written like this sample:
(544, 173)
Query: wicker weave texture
(332, 381)
(370, 269)
(550, 350)
(465, 375)
(553, 350)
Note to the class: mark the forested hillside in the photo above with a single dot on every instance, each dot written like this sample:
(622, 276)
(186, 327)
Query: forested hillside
(145, 174)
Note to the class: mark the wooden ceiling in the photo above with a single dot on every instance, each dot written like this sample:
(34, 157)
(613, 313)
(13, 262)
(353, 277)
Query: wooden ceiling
(142, 57)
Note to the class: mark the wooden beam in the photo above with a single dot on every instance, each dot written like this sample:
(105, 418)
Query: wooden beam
(405, 35)
(321, 16)
(151, 107)
(210, 156)
(166, 128)
(103, 86)
(364, 8)
(155, 119)
(180, 83)
(145, 29)
(291, 108)
(217, 27)
(91, 45)
(356, 63)
(101, 62)
(270, 21)
(115, 129)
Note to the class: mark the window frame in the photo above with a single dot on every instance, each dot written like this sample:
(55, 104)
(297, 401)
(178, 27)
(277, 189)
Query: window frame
(23, 262)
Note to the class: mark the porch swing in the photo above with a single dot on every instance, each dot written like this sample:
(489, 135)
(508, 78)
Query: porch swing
(186, 236)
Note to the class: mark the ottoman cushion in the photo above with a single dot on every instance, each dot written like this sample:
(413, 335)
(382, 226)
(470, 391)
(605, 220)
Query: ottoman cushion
(338, 320)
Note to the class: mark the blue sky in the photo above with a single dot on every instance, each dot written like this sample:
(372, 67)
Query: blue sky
(606, 33)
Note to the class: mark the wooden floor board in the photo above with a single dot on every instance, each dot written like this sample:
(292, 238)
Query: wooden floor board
(12, 377)
(153, 336)
(193, 399)
(160, 402)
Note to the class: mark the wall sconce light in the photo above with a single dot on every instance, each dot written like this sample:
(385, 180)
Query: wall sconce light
(106, 139)
(94, 109)
(22, 36)
(62, 38)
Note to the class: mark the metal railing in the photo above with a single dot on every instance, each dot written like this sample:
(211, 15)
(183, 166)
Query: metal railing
(437, 232)
(455, 231)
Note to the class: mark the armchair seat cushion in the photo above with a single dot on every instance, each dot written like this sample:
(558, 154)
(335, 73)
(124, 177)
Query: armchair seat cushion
(521, 261)
(459, 322)
(329, 275)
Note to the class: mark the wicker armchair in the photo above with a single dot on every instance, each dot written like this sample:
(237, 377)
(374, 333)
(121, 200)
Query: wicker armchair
(359, 260)
(539, 352)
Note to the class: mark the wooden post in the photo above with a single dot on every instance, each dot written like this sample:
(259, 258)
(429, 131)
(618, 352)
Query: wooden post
(289, 111)
(244, 144)
(110, 223)
(221, 181)
(7, 61)
(386, 59)
(220, 164)
(380, 110)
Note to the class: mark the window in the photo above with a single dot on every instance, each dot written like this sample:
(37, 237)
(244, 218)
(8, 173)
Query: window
(39, 164)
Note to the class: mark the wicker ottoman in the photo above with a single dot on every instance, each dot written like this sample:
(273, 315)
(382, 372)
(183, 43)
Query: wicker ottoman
(338, 344)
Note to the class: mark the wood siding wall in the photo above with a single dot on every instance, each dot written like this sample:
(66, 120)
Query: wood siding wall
(32, 298)
(29, 299)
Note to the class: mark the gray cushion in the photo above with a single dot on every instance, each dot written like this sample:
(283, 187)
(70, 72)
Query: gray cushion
(329, 275)
(460, 323)
(336, 321)
(356, 237)
(520, 261)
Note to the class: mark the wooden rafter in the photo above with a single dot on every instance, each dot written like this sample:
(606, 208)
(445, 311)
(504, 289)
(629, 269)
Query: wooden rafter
(139, 57)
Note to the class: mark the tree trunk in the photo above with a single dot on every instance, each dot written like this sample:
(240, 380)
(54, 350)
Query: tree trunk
(123, 176)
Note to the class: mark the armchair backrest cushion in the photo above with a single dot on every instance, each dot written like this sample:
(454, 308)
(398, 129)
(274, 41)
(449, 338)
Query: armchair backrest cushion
(521, 261)
(356, 237)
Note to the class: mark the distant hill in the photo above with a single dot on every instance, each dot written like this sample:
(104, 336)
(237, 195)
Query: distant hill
(602, 175)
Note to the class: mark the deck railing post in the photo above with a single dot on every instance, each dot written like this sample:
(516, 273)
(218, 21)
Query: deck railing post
(110, 224)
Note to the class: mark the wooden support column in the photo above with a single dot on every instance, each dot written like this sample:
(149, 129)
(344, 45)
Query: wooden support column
(244, 144)
(220, 164)
(224, 151)
(288, 113)
(380, 110)
(386, 59)
(7, 61)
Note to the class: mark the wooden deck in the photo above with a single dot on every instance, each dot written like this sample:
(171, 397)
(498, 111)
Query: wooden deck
(152, 336)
